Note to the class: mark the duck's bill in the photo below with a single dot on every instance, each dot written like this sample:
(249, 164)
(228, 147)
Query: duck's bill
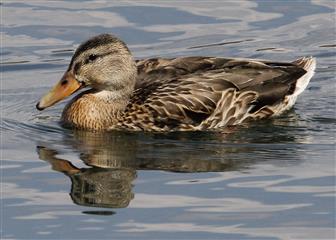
(64, 88)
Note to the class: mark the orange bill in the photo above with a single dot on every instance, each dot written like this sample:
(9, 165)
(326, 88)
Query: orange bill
(64, 88)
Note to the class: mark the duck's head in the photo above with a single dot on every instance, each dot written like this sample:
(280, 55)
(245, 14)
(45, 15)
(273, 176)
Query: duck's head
(103, 63)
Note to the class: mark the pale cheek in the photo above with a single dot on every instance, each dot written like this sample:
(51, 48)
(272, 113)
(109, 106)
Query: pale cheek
(90, 75)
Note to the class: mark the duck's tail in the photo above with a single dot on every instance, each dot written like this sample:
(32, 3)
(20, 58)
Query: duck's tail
(308, 64)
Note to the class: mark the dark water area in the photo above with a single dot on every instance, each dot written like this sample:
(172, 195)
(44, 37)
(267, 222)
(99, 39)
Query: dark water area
(273, 179)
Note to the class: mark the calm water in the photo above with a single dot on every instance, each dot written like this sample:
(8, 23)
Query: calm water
(273, 180)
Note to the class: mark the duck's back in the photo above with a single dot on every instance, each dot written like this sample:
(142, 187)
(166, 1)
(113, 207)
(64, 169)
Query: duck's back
(195, 93)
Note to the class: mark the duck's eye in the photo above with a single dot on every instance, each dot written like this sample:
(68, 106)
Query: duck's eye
(92, 57)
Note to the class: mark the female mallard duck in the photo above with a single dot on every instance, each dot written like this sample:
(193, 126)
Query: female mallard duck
(160, 94)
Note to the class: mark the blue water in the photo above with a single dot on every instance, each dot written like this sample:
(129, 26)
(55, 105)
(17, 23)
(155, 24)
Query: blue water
(272, 180)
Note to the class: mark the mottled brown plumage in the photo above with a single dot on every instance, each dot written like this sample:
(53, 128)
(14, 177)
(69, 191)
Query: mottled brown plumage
(176, 94)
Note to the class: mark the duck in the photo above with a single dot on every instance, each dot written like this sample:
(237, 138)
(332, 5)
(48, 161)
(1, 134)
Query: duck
(192, 93)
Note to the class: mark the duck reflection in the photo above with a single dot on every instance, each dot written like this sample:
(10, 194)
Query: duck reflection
(95, 186)
(112, 160)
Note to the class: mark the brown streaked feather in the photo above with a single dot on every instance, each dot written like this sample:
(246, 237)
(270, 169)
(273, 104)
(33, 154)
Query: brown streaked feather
(204, 92)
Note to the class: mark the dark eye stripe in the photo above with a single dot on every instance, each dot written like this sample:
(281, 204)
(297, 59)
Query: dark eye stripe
(90, 58)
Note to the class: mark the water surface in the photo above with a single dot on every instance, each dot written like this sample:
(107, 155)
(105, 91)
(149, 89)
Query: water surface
(272, 180)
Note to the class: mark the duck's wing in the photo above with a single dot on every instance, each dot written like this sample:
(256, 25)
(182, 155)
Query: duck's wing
(187, 91)
(241, 72)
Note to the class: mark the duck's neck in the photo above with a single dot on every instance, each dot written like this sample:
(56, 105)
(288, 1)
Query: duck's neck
(95, 109)
(116, 100)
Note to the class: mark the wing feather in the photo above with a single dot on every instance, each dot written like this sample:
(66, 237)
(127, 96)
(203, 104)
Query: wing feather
(208, 92)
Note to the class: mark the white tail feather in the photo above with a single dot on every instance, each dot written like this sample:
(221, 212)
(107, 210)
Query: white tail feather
(308, 64)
